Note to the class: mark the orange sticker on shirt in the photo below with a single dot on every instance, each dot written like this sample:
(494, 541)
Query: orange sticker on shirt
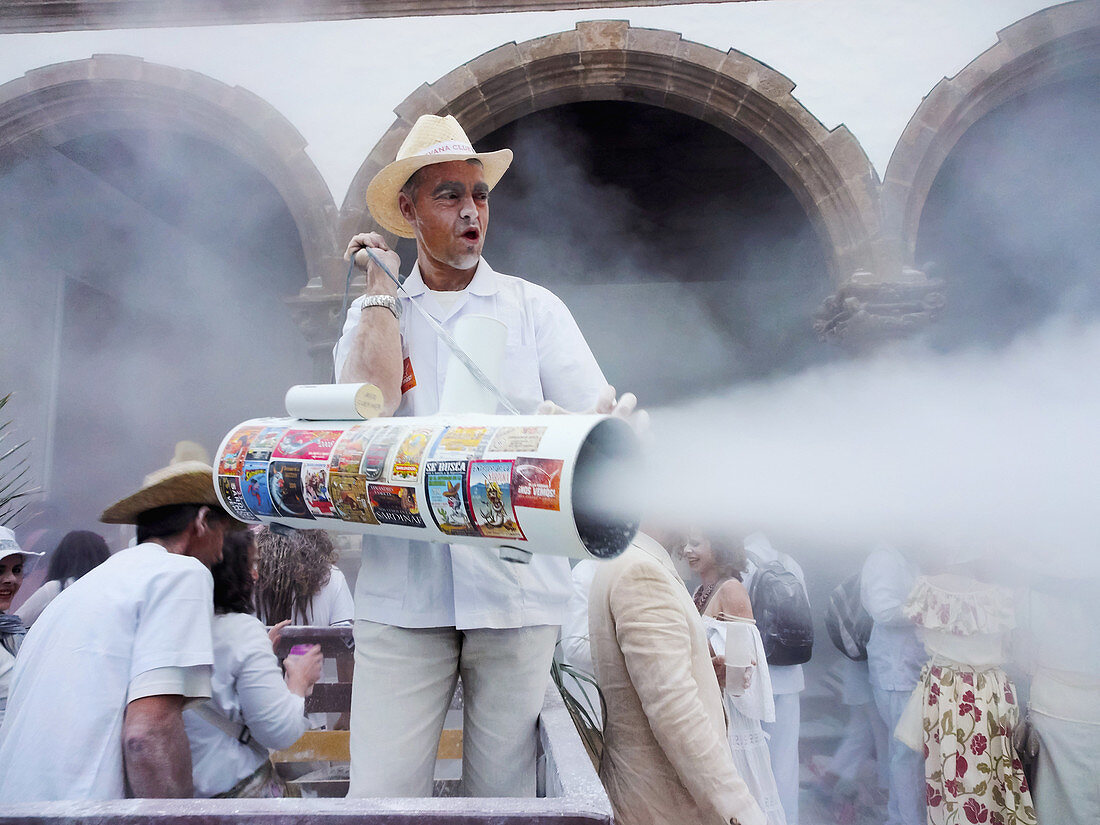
(408, 380)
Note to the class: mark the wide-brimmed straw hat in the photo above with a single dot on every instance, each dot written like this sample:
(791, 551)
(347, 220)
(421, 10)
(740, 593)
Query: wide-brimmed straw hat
(432, 139)
(185, 482)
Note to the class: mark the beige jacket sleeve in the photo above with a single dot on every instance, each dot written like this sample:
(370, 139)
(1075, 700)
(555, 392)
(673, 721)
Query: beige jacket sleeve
(657, 639)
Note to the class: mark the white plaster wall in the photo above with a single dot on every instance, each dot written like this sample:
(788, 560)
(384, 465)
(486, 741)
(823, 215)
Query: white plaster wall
(864, 63)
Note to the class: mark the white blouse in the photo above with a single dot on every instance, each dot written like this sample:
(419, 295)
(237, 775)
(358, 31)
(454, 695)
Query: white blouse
(248, 688)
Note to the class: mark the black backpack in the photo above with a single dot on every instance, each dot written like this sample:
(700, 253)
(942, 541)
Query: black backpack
(848, 623)
(782, 613)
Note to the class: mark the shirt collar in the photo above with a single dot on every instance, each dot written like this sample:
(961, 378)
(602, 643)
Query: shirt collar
(654, 548)
(485, 281)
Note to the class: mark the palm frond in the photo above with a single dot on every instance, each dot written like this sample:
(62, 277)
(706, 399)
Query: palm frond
(587, 720)
(15, 484)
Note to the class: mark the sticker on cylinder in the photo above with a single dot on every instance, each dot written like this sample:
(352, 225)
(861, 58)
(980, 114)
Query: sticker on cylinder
(315, 483)
(347, 454)
(256, 495)
(536, 482)
(517, 439)
(393, 504)
(262, 446)
(489, 487)
(232, 458)
(287, 490)
(230, 487)
(406, 461)
(349, 497)
(459, 443)
(377, 454)
(445, 485)
(307, 445)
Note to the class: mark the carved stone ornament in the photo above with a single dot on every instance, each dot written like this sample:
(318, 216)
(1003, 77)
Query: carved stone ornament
(866, 309)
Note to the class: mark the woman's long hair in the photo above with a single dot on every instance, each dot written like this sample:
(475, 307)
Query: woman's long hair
(292, 570)
(233, 574)
(78, 552)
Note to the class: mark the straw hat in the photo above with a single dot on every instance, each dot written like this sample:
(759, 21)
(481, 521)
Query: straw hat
(187, 482)
(432, 139)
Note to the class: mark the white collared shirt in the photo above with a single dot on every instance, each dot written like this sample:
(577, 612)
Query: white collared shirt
(422, 584)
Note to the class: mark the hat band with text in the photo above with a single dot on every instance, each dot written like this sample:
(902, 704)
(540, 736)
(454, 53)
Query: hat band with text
(449, 147)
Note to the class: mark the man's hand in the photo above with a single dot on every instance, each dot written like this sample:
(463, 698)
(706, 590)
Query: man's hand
(1025, 739)
(607, 404)
(155, 751)
(378, 282)
(719, 664)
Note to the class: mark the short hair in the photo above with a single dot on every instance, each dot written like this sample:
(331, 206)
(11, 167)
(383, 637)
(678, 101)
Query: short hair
(233, 574)
(77, 553)
(172, 519)
(729, 555)
(412, 185)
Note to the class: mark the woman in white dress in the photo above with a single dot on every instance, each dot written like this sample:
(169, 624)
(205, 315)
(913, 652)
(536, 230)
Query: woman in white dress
(723, 602)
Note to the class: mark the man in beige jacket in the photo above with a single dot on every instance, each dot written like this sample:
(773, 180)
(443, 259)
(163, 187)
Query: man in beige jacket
(666, 758)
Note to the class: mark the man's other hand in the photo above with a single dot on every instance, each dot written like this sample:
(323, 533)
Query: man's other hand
(378, 282)
(607, 404)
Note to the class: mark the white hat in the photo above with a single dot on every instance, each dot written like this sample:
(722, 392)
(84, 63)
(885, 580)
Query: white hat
(8, 544)
(432, 139)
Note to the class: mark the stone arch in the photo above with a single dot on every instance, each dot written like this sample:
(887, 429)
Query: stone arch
(65, 100)
(1056, 43)
(827, 170)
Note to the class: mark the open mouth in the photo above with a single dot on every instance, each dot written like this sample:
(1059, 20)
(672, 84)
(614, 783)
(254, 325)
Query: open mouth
(471, 234)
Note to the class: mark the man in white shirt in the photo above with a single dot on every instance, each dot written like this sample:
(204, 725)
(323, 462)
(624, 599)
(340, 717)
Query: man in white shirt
(426, 612)
(894, 659)
(788, 682)
(102, 679)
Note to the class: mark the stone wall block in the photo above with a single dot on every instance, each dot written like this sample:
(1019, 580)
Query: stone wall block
(563, 44)
(603, 35)
(455, 83)
(941, 103)
(473, 112)
(59, 73)
(691, 52)
(1028, 33)
(494, 63)
(13, 89)
(506, 89)
(654, 41)
(423, 101)
(850, 159)
(1073, 17)
(117, 67)
(166, 77)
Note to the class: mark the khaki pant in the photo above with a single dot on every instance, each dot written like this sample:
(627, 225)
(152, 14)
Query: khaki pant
(402, 688)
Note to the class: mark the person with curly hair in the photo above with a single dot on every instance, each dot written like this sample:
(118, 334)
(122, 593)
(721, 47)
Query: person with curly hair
(297, 579)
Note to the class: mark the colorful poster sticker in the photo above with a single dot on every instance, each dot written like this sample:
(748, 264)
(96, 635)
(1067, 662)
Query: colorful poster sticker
(315, 485)
(489, 489)
(347, 454)
(254, 487)
(230, 487)
(377, 454)
(536, 482)
(406, 461)
(517, 439)
(231, 462)
(263, 445)
(458, 443)
(307, 445)
(349, 496)
(445, 487)
(394, 504)
(284, 481)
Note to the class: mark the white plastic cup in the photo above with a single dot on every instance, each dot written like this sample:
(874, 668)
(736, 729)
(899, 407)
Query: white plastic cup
(739, 656)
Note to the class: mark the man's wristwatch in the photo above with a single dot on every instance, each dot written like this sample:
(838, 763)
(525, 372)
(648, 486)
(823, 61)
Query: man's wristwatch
(387, 301)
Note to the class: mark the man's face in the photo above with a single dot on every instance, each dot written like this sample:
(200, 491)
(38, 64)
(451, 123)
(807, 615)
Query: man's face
(208, 534)
(450, 213)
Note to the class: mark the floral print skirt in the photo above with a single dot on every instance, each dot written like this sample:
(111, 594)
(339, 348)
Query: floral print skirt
(972, 773)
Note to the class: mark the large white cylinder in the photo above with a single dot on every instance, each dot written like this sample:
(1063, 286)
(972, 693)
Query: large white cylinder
(532, 484)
